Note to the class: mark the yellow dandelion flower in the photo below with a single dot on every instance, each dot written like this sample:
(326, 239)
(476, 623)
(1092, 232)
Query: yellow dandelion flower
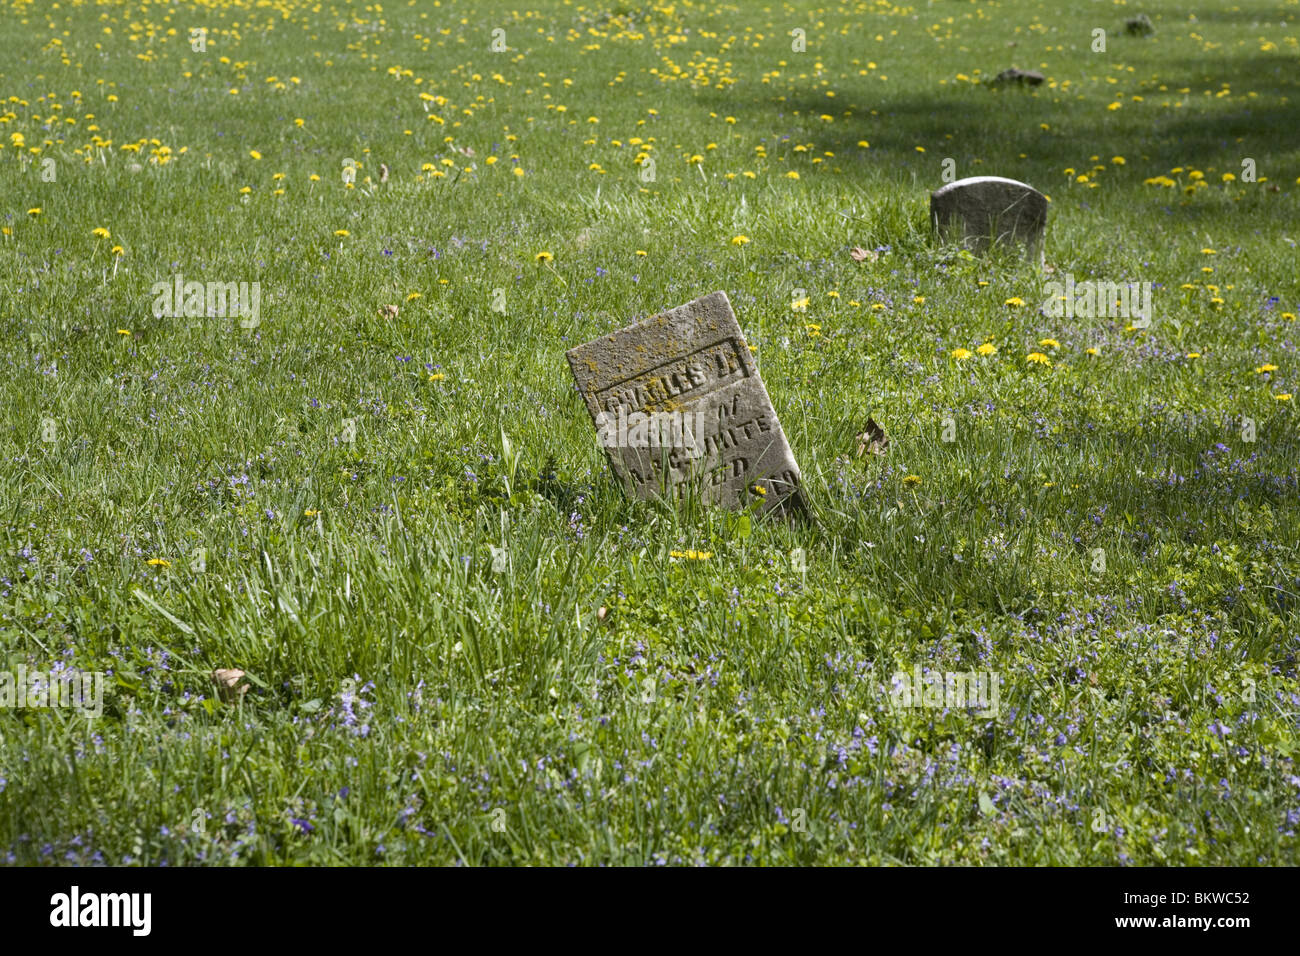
(1049, 343)
(342, 233)
(912, 480)
(255, 154)
(961, 354)
(739, 240)
(101, 233)
(988, 348)
(1265, 368)
(1015, 302)
(1038, 358)
(543, 257)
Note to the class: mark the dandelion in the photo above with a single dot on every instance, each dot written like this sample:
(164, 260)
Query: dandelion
(255, 154)
(34, 211)
(1049, 343)
(918, 299)
(1228, 178)
(1288, 316)
(739, 240)
(101, 233)
(310, 513)
(813, 329)
(437, 377)
(543, 257)
(1283, 397)
(123, 331)
(118, 251)
(1015, 302)
(988, 348)
(912, 480)
(342, 233)
(1038, 358)
(961, 354)
(1208, 252)
(1091, 351)
(1265, 368)
(160, 562)
(692, 555)
(412, 297)
(642, 252)
(1193, 355)
(792, 175)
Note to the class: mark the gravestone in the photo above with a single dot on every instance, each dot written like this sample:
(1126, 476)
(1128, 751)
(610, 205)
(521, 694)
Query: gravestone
(680, 410)
(986, 209)
(1018, 77)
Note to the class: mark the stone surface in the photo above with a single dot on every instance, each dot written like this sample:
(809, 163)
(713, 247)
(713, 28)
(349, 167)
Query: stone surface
(691, 366)
(1139, 26)
(986, 209)
(1018, 77)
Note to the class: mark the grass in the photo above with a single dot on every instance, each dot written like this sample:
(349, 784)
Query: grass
(1113, 535)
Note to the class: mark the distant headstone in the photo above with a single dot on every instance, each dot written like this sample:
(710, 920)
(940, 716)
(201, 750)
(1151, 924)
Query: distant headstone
(986, 209)
(1139, 26)
(1017, 77)
(680, 410)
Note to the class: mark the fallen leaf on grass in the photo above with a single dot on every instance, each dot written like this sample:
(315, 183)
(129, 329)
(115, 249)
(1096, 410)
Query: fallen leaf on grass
(228, 684)
(872, 438)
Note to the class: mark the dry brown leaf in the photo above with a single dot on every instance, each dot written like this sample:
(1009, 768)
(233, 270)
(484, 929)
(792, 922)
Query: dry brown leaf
(872, 438)
(859, 254)
(388, 311)
(228, 687)
(383, 172)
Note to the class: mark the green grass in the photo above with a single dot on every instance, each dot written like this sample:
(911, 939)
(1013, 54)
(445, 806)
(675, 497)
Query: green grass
(408, 703)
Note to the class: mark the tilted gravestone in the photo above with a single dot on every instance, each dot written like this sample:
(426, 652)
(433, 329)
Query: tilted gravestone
(985, 209)
(680, 409)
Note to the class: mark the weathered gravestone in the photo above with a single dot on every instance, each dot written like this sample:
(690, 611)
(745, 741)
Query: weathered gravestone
(680, 409)
(986, 209)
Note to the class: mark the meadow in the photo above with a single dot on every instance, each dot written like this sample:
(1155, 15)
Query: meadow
(382, 499)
